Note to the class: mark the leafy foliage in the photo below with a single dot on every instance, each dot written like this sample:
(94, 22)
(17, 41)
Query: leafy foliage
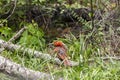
(33, 37)
(89, 44)
(5, 31)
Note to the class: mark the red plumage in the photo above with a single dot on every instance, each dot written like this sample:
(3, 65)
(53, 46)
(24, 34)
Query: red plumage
(61, 50)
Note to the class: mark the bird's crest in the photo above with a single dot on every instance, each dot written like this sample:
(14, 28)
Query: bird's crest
(58, 43)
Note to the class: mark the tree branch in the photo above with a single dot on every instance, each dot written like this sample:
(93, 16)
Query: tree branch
(15, 2)
(92, 17)
(14, 38)
(17, 70)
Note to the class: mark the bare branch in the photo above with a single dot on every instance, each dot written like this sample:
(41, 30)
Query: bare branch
(92, 17)
(15, 2)
(14, 38)
(105, 58)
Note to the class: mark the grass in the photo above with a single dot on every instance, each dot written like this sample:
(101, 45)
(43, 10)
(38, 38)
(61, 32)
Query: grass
(99, 70)
(92, 45)
(78, 50)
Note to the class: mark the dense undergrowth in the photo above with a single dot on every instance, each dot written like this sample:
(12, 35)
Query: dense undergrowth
(79, 49)
(91, 45)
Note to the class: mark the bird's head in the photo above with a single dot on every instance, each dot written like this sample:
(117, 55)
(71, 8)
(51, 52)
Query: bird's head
(58, 43)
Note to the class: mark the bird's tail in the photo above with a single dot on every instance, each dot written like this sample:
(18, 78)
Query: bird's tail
(67, 62)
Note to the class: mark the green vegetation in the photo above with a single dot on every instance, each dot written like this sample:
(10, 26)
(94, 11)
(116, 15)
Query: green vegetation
(89, 44)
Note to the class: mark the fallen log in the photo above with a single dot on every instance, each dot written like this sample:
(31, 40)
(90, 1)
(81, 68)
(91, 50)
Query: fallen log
(44, 56)
(14, 47)
(16, 70)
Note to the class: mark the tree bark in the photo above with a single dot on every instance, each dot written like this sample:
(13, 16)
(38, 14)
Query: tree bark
(23, 73)
(14, 38)
(44, 56)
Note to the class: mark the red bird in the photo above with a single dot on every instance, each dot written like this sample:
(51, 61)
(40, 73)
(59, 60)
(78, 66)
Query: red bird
(61, 50)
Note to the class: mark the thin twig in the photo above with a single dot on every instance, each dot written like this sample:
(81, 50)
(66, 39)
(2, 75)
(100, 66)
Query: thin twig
(15, 2)
(92, 17)
(14, 38)
(117, 58)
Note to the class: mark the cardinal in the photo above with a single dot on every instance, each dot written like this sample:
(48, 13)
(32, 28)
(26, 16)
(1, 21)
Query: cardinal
(61, 50)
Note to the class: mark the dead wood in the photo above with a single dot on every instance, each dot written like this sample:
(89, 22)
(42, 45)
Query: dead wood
(16, 36)
(44, 56)
(13, 47)
(15, 69)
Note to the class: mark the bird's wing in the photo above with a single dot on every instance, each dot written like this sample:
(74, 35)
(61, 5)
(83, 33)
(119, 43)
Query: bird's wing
(62, 54)
(63, 57)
